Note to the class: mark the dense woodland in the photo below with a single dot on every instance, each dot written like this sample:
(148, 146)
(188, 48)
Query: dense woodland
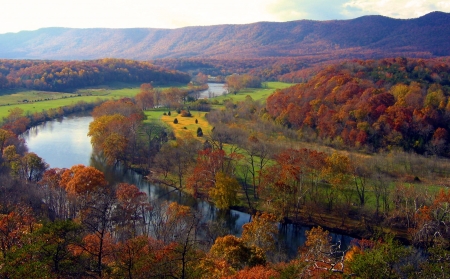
(381, 104)
(267, 69)
(68, 75)
(70, 223)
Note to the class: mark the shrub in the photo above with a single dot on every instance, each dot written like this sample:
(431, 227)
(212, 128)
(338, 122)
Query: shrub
(175, 121)
(196, 121)
(199, 132)
(185, 113)
(169, 113)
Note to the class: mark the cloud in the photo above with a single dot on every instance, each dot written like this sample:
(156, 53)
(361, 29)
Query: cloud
(30, 15)
(399, 8)
(285, 10)
(313, 9)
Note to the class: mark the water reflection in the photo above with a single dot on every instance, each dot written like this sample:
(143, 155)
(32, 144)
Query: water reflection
(214, 90)
(61, 142)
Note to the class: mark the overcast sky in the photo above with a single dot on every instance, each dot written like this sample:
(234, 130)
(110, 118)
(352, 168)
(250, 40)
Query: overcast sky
(17, 15)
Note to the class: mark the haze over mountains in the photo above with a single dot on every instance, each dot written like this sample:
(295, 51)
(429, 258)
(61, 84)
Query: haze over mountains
(364, 37)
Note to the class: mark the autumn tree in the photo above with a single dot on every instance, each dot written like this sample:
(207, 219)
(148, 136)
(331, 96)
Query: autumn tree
(176, 224)
(110, 134)
(14, 226)
(145, 97)
(141, 257)
(200, 78)
(16, 122)
(261, 232)
(258, 152)
(32, 167)
(432, 220)
(224, 193)
(337, 172)
(236, 252)
(237, 82)
(285, 183)
(209, 164)
(176, 158)
(12, 160)
(6, 138)
(132, 211)
(320, 255)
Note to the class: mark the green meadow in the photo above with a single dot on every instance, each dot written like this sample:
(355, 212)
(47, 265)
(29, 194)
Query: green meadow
(255, 93)
(36, 101)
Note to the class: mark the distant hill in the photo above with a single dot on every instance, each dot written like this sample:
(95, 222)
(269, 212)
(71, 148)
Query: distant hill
(364, 37)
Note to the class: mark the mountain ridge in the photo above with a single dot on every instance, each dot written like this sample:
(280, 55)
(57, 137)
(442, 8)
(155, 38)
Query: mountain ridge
(364, 37)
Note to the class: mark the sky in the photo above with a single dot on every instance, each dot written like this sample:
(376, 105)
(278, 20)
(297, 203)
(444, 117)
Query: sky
(18, 15)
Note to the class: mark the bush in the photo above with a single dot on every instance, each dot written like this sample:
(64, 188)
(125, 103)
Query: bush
(196, 121)
(169, 113)
(175, 121)
(199, 132)
(185, 113)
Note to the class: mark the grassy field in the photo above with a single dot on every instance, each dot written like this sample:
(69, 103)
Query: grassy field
(36, 101)
(187, 124)
(255, 93)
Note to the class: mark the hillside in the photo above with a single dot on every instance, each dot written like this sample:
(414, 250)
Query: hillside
(68, 75)
(364, 37)
(383, 104)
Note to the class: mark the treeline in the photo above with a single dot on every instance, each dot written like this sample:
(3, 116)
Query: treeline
(18, 121)
(267, 69)
(68, 75)
(236, 83)
(376, 104)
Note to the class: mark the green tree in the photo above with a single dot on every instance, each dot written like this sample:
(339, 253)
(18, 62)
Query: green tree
(382, 260)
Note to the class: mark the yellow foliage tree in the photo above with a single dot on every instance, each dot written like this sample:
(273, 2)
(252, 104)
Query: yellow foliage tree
(224, 194)
(261, 231)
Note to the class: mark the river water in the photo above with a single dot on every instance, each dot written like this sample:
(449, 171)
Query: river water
(64, 142)
(214, 90)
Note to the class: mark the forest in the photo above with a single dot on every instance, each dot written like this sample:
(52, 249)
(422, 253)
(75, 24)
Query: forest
(359, 148)
(68, 75)
(376, 105)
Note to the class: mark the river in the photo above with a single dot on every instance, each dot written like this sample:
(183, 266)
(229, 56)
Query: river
(63, 143)
(214, 90)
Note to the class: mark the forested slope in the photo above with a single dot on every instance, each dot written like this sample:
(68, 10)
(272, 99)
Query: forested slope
(364, 37)
(67, 75)
(378, 104)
